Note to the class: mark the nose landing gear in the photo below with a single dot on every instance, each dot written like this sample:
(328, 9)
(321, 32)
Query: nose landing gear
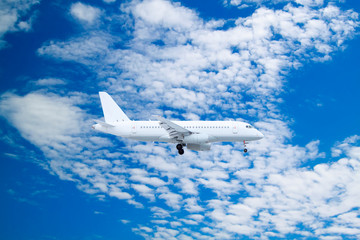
(180, 149)
(245, 149)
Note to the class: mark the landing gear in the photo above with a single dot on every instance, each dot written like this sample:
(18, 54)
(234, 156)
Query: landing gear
(245, 150)
(180, 149)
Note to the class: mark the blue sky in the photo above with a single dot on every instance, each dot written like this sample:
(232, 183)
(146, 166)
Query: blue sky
(289, 67)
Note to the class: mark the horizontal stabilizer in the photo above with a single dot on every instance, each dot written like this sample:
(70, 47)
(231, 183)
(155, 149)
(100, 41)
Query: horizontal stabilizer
(104, 124)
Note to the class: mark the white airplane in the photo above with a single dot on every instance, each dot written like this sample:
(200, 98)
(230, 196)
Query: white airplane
(195, 135)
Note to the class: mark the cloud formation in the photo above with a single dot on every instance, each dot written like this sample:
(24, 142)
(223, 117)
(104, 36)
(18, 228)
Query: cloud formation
(248, 3)
(42, 119)
(195, 68)
(85, 13)
(14, 16)
(192, 59)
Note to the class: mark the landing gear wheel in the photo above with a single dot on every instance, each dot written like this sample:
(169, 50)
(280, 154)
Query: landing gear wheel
(181, 151)
(179, 146)
(245, 150)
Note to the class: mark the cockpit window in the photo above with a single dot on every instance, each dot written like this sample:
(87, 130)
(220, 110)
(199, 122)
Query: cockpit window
(249, 126)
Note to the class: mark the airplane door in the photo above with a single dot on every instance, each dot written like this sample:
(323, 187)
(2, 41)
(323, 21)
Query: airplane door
(235, 129)
(133, 128)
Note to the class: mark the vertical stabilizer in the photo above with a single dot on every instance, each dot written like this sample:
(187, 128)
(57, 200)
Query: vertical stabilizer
(112, 112)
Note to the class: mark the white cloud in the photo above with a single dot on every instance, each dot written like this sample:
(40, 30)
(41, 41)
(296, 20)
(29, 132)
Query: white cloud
(50, 82)
(188, 186)
(119, 194)
(140, 175)
(146, 229)
(12, 14)
(124, 221)
(61, 130)
(85, 13)
(144, 191)
(345, 146)
(192, 205)
(171, 199)
(42, 119)
(165, 14)
(160, 212)
(196, 217)
(83, 49)
(248, 3)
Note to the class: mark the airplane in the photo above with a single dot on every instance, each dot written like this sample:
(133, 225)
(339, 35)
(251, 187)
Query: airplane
(195, 135)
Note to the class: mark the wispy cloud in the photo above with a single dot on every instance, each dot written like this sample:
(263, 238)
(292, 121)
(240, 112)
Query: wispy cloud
(249, 3)
(14, 16)
(50, 82)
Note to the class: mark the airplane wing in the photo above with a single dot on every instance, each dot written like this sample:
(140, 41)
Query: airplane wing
(174, 130)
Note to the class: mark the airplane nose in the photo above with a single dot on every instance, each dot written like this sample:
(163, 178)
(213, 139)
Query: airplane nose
(260, 135)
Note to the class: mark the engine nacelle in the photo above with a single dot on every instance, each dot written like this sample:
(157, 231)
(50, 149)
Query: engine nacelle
(200, 138)
(199, 147)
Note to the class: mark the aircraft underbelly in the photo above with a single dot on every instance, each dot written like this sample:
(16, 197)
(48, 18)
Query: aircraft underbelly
(145, 138)
(227, 139)
(167, 138)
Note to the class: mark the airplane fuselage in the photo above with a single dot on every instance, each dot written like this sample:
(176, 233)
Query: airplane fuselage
(217, 131)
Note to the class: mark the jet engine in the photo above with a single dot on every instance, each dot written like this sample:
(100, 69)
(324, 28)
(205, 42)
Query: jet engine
(199, 147)
(199, 138)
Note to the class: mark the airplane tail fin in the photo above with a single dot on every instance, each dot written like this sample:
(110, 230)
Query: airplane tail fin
(112, 112)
